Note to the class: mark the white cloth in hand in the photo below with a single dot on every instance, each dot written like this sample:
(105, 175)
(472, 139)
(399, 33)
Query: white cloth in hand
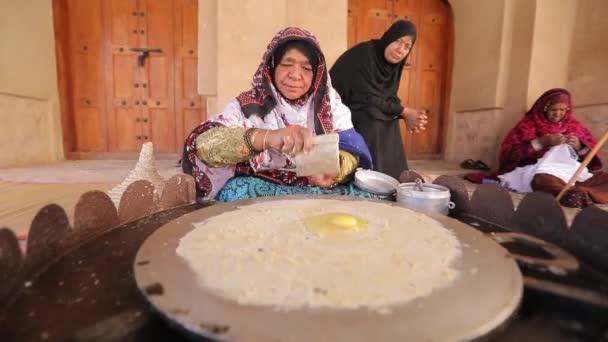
(560, 161)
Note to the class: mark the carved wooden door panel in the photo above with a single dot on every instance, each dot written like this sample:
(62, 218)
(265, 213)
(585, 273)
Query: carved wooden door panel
(83, 42)
(190, 108)
(122, 80)
(132, 74)
(156, 75)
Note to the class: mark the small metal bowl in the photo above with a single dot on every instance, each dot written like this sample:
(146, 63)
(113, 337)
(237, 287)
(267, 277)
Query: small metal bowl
(376, 182)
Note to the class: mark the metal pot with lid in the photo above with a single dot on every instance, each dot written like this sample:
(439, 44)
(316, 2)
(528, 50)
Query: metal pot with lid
(426, 198)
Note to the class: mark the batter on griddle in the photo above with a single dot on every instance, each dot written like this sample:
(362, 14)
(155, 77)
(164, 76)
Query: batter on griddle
(321, 253)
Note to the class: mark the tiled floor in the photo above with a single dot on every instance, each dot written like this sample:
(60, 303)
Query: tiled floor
(24, 191)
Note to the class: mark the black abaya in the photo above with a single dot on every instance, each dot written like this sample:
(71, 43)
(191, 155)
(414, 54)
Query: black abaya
(368, 85)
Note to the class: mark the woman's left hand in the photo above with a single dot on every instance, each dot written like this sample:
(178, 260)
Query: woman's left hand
(574, 141)
(323, 181)
(415, 119)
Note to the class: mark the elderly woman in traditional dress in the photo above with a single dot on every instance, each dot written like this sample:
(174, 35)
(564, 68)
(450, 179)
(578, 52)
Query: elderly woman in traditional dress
(367, 77)
(248, 149)
(528, 156)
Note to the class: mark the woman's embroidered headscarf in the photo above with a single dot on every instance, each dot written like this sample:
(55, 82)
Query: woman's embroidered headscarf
(259, 100)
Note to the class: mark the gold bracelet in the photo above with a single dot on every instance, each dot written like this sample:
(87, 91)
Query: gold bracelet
(264, 142)
(248, 139)
(252, 138)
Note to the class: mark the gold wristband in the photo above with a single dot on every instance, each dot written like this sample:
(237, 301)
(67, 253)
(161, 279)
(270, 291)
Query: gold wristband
(249, 135)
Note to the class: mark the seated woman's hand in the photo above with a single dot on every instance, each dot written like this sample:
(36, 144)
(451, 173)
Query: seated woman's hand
(549, 140)
(323, 181)
(574, 141)
(290, 140)
(415, 119)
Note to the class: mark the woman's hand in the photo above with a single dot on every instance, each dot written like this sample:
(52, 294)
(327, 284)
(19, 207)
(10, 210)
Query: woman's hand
(549, 140)
(323, 181)
(574, 141)
(415, 119)
(289, 140)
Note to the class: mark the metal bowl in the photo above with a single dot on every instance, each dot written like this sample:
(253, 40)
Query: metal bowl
(376, 182)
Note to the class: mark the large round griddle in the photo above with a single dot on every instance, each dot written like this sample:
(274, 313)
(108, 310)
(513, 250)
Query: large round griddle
(487, 291)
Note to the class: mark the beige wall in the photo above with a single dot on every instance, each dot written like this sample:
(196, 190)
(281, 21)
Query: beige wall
(207, 47)
(29, 110)
(27, 131)
(588, 68)
(241, 31)
(553, 28)
(518, 65)
(480, 75)
(588, 64)
(505, 59)
(477, 42)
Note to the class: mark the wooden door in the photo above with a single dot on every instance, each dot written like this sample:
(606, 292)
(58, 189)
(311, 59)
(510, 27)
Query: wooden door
(159, 117)
(425, 77)
(141, 75)
(122, 79)
(81, 56)
(190, 107)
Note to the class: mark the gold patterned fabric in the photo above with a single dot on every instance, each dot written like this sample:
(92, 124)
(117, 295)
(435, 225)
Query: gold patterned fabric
(348, 165)
(223, 146)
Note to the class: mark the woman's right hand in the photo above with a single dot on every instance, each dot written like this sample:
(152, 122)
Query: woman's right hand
(323, 181)
(415, 119)
(290, 140)
(549, 140)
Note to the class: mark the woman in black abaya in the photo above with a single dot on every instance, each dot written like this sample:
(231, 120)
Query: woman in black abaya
(367, 78)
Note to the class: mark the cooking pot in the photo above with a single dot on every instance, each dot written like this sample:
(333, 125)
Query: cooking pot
(433, 199)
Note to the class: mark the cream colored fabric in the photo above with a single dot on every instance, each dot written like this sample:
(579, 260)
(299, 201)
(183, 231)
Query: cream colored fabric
(262, 254)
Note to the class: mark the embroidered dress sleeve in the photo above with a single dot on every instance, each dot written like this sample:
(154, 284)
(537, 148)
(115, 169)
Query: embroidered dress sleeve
(518, 149)
(210, 179)
(224, 146)
(348, 165)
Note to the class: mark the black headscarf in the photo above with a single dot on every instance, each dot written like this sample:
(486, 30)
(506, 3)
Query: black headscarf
(363, 70)
(399, 29)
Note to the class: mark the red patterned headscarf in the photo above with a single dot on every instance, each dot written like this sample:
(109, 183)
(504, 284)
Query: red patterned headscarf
(541, 106)
(516, 150)
(259, 99)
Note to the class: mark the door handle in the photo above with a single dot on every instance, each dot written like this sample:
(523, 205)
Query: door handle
(144, 53)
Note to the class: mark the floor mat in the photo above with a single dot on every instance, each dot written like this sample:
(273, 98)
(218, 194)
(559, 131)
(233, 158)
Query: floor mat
(20, 202)
(83, 171)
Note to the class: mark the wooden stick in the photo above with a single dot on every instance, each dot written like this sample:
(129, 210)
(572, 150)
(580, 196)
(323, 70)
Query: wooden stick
(584, 164)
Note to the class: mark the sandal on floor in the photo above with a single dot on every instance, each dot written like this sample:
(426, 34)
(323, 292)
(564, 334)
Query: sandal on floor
(474, 165)
(479, 165)
(468, 164)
